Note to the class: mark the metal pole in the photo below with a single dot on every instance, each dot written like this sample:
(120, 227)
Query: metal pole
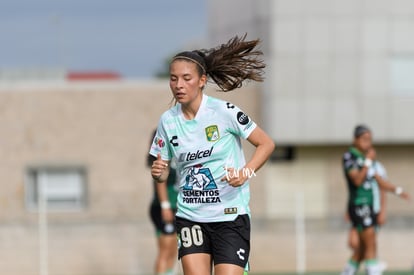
(43, 223)
(300, 234)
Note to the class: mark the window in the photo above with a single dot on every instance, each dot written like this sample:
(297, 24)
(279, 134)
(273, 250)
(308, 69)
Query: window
(283, 153)
(61, 188)
(402, 80)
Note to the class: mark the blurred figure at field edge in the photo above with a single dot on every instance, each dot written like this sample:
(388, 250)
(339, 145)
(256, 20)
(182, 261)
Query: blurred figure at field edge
(162, 212)
(363, 207)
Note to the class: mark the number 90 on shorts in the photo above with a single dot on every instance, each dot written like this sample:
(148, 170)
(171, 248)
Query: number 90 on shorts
(190, 236)
(226, 242)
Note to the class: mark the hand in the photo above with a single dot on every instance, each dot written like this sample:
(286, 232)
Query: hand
(234, 177)
(371, 154)
(346, 217)
(382, 217)
(158, 167)
(167, 215)
(405, 195)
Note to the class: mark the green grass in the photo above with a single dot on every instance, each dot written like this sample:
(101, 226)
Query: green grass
(333, 273)
(337, 273)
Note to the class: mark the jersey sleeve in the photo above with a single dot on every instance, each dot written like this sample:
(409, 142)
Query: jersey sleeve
(159, 143)
(380, 170)
(240, 123)
(349, 162)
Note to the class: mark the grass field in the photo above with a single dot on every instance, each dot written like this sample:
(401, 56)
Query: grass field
(337, 273)
(332, 273)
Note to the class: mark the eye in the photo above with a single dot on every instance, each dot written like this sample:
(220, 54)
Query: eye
(173, 78)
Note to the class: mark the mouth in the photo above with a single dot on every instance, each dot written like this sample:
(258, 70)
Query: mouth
(179, 95)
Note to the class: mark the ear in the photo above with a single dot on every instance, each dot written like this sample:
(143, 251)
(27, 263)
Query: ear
(202, 82)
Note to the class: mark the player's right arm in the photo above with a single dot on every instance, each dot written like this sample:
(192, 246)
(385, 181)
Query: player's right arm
(358, 176)
(159, 147)
(160, 169)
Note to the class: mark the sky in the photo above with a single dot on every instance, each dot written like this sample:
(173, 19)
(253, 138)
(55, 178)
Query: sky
(129, 37)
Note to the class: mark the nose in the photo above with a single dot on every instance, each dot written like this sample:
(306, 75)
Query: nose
(179, 82)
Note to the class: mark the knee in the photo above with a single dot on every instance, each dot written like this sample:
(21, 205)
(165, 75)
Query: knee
(353, 244)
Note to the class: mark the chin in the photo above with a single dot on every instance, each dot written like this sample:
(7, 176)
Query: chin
(181, 100)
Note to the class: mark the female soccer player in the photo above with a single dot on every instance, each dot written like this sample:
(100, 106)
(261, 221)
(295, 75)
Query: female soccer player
(162, 210)
(202, 134)
(361, 179)
(379, 208)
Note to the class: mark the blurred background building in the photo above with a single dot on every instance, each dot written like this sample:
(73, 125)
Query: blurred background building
(76, 190)
(331, 65)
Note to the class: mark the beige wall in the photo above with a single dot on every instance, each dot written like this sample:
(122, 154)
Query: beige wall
(106, 127)
(317, 172)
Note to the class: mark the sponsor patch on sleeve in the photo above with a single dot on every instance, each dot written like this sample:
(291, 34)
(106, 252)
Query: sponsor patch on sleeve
(159, 142)
(242, 118)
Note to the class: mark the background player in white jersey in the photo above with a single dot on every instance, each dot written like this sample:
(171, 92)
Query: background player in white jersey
(202, 134)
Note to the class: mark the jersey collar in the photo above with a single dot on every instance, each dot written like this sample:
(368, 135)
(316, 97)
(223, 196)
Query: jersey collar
(356, 152)
(200, 109)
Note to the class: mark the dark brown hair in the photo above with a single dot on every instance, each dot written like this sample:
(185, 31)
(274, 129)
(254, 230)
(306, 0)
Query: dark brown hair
(228, 65)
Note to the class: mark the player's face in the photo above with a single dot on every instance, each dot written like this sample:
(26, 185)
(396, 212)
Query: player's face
(364, 142)
(185, 81)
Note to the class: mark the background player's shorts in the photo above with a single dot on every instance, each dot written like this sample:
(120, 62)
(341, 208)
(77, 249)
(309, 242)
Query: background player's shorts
(227, 242)
(160, 226)
(362, 216)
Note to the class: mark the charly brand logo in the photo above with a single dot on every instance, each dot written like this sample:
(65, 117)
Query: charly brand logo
(241, 253)
(242, 118)
(200, 186)
(159, 142)
(173, 141)
(229, 105)
(212, 133)
(199, 154)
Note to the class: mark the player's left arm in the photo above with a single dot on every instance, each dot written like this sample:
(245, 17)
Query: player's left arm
(241, 125)
(264, 148)
(388, 186)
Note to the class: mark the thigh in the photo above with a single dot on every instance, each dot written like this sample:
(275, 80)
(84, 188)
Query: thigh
(167, 243)
(353, 238)
(193, 237)
(231, 242)
(196, 264)
(368, 238)
(228, 269)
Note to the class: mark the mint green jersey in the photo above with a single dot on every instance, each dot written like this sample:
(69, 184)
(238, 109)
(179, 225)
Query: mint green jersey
(380, 170)
(201, 149)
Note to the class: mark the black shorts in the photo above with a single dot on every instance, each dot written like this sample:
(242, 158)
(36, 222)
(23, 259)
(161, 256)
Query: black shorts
(226, 242)
(362, 216)
(160, 226)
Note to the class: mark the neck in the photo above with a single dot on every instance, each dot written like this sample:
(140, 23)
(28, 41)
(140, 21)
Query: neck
(190, 109)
